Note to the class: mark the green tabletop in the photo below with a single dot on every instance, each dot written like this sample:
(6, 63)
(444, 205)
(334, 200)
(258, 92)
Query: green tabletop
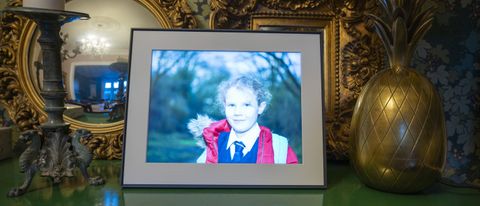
(344, 188)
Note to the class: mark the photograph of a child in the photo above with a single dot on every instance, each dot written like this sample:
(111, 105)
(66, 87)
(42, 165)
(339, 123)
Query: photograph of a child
(225, 107)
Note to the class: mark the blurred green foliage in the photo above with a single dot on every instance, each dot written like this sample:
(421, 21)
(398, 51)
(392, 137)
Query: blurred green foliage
(184, 84)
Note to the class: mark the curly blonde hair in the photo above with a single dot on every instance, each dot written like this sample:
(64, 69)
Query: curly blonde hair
(244, 82)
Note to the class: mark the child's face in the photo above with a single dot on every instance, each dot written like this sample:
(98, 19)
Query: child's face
(242, 109)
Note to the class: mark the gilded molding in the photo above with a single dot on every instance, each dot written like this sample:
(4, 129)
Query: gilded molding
(293, 5)
(354, 53)
(231, 14)
(361, 59)
(300, 15)
(12, 95)
(106, 145)
(179, 12)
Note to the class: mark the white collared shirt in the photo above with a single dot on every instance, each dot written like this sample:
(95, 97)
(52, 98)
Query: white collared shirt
(248, 139)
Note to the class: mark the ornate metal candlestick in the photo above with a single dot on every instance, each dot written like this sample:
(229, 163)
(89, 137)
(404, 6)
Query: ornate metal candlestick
(56, 154)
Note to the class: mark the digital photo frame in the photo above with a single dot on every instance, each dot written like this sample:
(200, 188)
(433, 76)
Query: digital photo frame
(177, 101)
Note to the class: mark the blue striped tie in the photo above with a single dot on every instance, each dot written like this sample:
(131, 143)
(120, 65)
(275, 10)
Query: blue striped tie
(238, 151)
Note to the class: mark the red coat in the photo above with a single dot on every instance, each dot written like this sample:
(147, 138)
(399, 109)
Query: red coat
(265, 154)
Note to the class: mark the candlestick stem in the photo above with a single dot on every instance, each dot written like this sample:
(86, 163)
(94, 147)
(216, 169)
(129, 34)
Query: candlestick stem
(57, 154)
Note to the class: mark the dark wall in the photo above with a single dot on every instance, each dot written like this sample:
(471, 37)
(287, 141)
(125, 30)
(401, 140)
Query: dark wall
(450, 57)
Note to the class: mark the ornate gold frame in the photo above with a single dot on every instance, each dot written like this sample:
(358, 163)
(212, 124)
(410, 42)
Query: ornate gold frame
(352, 52)
(23, 102)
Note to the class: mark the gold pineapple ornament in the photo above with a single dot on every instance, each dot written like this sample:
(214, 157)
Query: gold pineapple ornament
(398, 138)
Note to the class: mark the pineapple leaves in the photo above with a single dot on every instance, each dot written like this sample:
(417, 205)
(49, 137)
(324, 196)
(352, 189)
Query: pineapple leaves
(419, 33)
(384, 31)
(405, 23)
(387, 7)
(400, 43)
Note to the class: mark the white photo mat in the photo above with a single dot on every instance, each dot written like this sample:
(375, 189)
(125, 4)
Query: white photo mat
(137, 172)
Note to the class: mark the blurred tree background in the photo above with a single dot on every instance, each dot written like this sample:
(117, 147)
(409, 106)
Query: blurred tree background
(184, 84)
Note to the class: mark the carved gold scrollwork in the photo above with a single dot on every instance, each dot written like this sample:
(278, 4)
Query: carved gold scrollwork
(293, 5)
(9, 30)
(106, 146)
(231, 14)
(353, 53)
(354, 20)
(179, 12)
(11, 94)
(14, 99)
(362, 57)
(361, 60)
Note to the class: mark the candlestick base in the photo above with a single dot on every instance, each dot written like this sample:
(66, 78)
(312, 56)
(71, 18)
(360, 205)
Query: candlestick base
(52, 152)
(56, 157)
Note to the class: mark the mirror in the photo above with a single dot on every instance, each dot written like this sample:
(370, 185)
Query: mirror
(95, 58)
(95, 65)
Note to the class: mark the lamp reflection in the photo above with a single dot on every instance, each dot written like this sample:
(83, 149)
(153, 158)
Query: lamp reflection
(111, 198)
(94, 45)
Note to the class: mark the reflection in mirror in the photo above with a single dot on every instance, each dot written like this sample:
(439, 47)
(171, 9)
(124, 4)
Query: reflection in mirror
(98, 92)
(95, 58)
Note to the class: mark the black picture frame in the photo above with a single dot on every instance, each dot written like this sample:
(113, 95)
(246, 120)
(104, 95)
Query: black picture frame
(138, 171)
